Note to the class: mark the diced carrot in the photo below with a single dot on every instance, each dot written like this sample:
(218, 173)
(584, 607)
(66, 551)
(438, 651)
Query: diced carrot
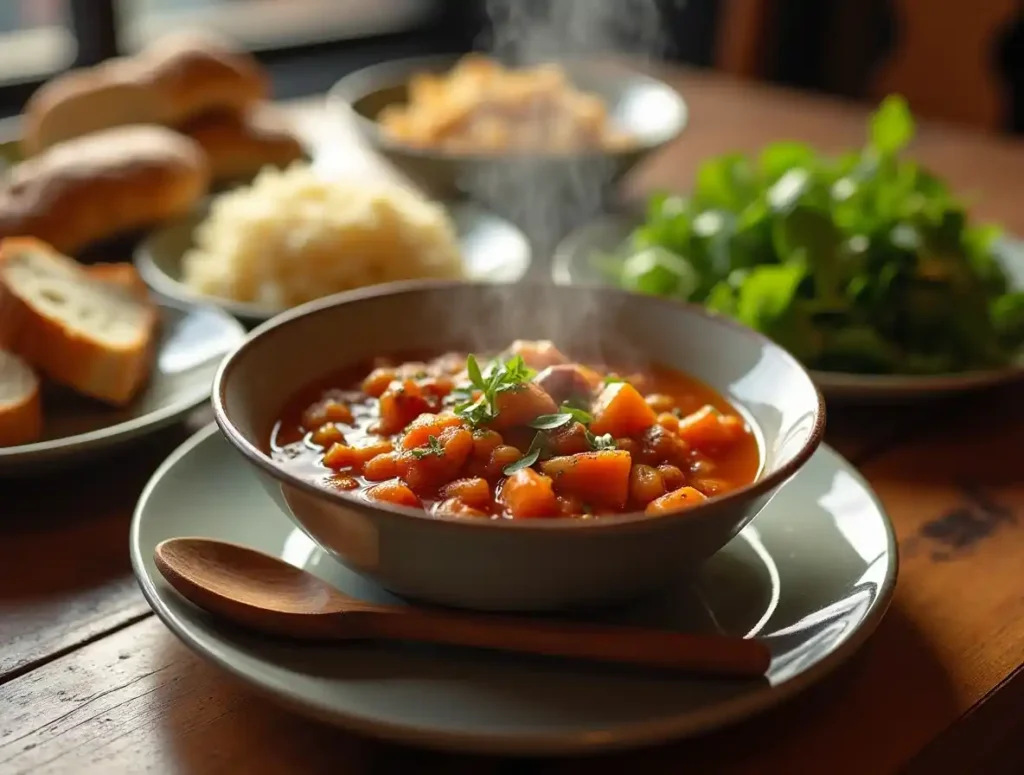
(537, 355)
(677, 500)
(426, 425)
(668, 421)
(399, 405)
(501, 457)
(325, 411)
(621, 411)
(484, 443)
(328, 434)
(645, 484)
(345, 456)
(426, 469)
(381, 467)
(474, 492)
(395, 492)
(707, 428)
(521, 405)
(457, 508)
(377, 381)
(597, 478)
(529, 494)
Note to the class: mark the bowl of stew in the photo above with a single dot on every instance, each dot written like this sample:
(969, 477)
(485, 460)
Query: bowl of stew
(520, 447)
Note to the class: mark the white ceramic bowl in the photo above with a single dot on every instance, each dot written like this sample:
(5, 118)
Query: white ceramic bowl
(534, 565)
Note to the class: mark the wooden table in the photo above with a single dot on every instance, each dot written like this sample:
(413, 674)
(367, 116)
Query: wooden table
(90, 681)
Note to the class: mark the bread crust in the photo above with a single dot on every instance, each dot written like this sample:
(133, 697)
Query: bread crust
(238, 145)
(21, 418)
(110, 373)
(178, 77)
(101, 185)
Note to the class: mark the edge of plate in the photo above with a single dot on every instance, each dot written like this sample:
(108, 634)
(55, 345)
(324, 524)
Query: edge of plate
(623, 737)
(14, 459)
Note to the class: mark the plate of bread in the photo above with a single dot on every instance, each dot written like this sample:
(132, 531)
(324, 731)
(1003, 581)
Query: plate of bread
(108, 151)
(90, 359)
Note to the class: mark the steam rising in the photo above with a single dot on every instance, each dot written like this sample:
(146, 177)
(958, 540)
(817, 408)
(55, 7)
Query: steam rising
(547, 198)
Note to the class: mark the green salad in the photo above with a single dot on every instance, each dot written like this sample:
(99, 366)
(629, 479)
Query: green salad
(864, 263)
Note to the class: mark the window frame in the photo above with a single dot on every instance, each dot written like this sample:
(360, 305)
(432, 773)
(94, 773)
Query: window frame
(94, 26)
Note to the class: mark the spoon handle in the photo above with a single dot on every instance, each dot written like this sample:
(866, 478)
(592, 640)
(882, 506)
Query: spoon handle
(707, 654)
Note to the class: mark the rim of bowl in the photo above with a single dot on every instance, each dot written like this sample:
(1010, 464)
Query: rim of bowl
(390, 74)
(262, 460)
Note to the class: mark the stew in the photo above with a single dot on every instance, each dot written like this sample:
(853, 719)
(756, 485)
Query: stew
(529, 434)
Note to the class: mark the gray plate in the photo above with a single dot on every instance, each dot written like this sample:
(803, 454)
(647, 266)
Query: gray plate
(492, 248)
(573, 264)
(812, 575)
(193, 340)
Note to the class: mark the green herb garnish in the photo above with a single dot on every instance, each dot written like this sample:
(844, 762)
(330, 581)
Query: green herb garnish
(434, 447)
(532, 456)
(864, 263)
(549, 422)
(581, 416)
(598, 443)
(500, 376)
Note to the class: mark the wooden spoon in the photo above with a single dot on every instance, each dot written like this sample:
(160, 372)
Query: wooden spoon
(267, 594)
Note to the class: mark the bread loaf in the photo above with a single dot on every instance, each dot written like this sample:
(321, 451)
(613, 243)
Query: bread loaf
(94, 335)
(21, 416)
(177, 78)
(102, 185)
(238, 145)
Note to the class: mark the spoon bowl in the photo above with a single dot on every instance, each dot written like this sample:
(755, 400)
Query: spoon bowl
(264, 593)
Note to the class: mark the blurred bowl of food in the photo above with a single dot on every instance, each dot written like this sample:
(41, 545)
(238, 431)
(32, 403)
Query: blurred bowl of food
(458, 125)
(441, 447)
(295, 235)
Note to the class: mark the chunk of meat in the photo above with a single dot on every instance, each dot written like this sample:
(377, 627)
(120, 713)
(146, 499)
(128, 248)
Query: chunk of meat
(529, 494)
(597, 478)
(621, 411)
(568, 380)
(677, 500)
(394, 492)
(521, 405)
(709, 429)
(537, 354)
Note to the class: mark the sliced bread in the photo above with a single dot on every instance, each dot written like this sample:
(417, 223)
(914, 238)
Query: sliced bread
(93, 334)
(21, 416)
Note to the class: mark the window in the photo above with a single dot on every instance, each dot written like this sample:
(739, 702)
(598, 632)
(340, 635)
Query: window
(35, 39)
(269, 24)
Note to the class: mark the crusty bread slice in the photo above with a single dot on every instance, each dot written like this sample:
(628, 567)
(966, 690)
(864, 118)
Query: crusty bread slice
(88, 333)
(21, 414)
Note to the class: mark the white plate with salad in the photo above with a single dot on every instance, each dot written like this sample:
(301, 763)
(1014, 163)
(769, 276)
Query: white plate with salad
(865, 266)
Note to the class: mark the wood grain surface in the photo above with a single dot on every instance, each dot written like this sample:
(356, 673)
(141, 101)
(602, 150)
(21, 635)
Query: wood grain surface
(90, 682)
